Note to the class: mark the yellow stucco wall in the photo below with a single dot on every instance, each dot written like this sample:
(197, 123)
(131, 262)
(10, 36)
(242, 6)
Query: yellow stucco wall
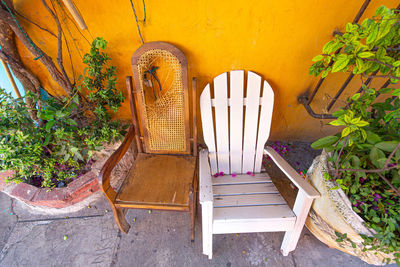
(276, 39)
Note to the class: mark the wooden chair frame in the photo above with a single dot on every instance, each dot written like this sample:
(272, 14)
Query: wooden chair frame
(139, 143)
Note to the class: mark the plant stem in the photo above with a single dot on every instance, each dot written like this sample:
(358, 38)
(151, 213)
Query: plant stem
(340, 153)
(390, 184)
(371, 171)
(391, 155)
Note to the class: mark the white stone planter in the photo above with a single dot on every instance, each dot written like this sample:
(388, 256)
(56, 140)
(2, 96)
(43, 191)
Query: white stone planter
(332, 212)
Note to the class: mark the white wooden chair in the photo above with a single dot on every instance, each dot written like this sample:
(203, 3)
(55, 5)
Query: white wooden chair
(244, 203)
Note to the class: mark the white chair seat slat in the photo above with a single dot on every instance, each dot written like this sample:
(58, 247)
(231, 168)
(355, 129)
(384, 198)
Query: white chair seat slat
(236, 119)
(253, 219)
(241, 179)
(253, 213)
(208, 127)
(248, 200)
(242, 189)
(221, 122)
(251, 121)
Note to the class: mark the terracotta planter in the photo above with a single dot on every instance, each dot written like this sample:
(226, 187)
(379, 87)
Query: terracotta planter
(333, 212)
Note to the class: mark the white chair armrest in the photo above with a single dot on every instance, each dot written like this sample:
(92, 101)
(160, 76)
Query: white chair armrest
(292, 174)
(206, 192)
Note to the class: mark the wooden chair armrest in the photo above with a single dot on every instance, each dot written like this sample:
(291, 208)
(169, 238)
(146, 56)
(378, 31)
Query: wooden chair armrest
(206, 191)
(105, 172)
(292, 174)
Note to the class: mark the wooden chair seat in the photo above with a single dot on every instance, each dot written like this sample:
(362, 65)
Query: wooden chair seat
(158, 182)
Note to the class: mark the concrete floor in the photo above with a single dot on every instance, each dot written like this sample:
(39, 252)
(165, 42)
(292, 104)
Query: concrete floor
(155, 239)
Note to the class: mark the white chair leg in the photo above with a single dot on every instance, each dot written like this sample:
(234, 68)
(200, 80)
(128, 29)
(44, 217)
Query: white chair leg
(301, 208)
(207, 215)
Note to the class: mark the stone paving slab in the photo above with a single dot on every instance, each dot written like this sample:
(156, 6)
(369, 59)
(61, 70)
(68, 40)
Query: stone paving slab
(91, 242)
(8, 219)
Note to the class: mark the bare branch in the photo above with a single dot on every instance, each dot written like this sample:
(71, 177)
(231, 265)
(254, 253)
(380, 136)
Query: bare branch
(390, 184)
(59, 44)
(391, 155)
(6, 18)
(372, 171)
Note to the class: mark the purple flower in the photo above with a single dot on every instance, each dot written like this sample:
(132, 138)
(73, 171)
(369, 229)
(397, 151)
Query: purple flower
(359, 203)
(221, 174)
(377, 196)
(375, 208)
(234, 174)
(216, 175)
(362, 180)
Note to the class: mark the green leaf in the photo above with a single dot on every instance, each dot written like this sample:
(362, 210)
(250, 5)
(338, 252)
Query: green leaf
(66, 157)
(49, 125)
(365, 54)
(396, 63)
(349, 27)
(338, 122)
(362, 123)
(47, 140)
(346, 131)
(373, 34)
(324, 142)
(387, 146)
(317, 58)
(396, 92)
(356, 96)
(375, 155)
(373, 138)
(79, 155)
(341, 62)
(327, 47)
(71, 122)
(376, 219)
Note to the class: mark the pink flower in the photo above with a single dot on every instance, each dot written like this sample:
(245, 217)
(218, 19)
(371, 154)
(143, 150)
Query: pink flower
(216, 175)
(234, 174)
(221, 174)
(248, 173)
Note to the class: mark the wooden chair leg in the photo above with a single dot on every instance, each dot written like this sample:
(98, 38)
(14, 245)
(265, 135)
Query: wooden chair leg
(192, 211)
(119, 215)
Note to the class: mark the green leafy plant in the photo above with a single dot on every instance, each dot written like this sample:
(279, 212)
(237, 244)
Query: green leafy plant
(60, 147)
(366, 152)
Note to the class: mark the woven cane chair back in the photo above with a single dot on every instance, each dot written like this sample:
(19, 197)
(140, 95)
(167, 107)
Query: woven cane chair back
(160, 75)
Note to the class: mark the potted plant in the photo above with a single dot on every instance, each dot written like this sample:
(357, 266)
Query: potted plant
(360, 175)
(59, 146)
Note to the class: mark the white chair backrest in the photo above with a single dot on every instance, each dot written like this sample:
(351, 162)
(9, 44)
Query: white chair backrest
(235, 150)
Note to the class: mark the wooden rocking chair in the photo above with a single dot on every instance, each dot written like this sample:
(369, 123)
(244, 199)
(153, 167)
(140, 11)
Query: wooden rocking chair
(164, 173)
(244, 200)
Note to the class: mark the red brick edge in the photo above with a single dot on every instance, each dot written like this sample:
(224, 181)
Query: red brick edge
(76, 191)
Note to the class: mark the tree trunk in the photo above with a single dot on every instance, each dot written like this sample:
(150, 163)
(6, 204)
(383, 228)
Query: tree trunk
(27, 79)
(6, 18)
